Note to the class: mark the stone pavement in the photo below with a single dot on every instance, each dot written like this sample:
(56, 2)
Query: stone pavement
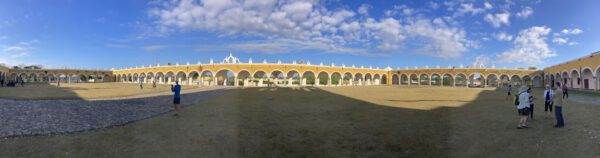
(43, 117)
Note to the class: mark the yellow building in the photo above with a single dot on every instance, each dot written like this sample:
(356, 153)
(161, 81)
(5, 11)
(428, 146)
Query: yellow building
(578, 74)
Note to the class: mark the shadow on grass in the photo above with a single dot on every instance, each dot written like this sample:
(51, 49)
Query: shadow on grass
(311, 122)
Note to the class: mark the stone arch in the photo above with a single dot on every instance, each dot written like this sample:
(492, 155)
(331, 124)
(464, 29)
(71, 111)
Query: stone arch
(492, 80)
(143, 77)
(308, 78)
(460, 80)
(207, 78)
(368, 78)
(413, 79)
(436, 79)
(225, 77)
(243, 78)
(336, 79)
(150, 77)
(575, 79)
(377, 79)
(537, 81)
(476, 80)
(293, 77)
(424, 79)
(515, 80)
(170, 77)
(404, 80)
(347, 78)
(447, 80)
(323, 78)
(504, 79)
(565, 79)
(181, 77)
(160, 77)
(277, 77)
(395, 79)
(358, 79)
(135, 77)
(526, 79)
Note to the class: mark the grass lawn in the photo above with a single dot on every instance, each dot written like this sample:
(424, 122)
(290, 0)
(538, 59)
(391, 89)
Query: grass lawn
(376, 121)
(81, 90)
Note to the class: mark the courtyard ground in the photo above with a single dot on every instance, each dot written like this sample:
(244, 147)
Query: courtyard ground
(81, 90)
(375, 121)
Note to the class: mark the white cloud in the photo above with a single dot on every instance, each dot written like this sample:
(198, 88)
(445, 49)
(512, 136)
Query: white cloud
(18, 50)
(364, 9)
(468, 8)
(530, 47)
(481, 61)
(503, 37)
(153, 47)
(560, 41)
(433, 5)
(526, 12)
(498, 19)
(298, 24)
(574, 31)
(487, 5)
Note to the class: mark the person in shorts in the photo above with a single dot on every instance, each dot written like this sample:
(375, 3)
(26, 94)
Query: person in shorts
(176, 97)
(523, 107)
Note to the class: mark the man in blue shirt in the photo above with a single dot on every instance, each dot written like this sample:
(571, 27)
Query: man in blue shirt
(176, 97)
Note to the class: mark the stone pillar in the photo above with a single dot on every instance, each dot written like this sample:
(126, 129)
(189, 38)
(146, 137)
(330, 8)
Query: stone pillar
(68, 79)
(329, 82)
(340, 82)
(290, 82)
(429, 81)
(360, 82)
(317, 81)
(303, 82)
(236, 82)
(214, 81)
(260, 82)
(454, 82)
(485, 83)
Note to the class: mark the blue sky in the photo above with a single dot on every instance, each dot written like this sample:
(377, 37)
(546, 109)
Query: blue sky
(119, 33)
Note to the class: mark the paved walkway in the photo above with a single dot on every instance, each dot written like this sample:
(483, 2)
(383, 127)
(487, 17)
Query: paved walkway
(43, 117)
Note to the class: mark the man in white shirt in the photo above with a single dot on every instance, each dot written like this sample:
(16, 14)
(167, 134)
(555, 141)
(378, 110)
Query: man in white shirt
(523, 107)
(548, 100)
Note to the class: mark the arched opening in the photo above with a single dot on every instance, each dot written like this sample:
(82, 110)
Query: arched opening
(347, 78)
(358, 79)
(404, 79)
(504, 80)
(259, 77)
(308, 78)
(170, 77)
(537, 81)
(75, 78)
(244, 78)
(181, 77)
(225, 77)
(207, 78)
(436, 80)
(384, 79)
(278, 78)
(565, 79)
(136, 78)
(323, 78)
(575, 79)
(447, 80)
(598, 78)
(515, 80)
(160, 77)
(368, 79)
(492, 80)
(62, 78)
(587, 79)
(376, 79)
(527, 80)
(150, 78)
(336, 79)
(395, 79)
(476, 80)
(293, 78)
(193, 77)
(424, 79)
(143, 78)
(461, 80)
(414, 79)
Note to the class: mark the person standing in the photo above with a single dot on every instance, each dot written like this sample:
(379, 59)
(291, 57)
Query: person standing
(548, 100)
(559, 103)
(153, 83)
(565, 91)
(176, 97)
(141, 85)
(509, 89)
(523, 107)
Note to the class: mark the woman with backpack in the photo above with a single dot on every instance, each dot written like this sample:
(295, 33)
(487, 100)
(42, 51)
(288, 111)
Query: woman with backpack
(522, 103)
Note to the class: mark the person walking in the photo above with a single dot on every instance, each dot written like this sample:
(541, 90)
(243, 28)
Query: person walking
(176, 97)
(153, 83)
(565, 91)
(523, 107)
(548, 100)
(509, 89)
(141, 85)
(559, 103)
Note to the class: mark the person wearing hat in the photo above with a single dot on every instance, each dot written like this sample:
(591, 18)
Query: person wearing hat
(523, 107)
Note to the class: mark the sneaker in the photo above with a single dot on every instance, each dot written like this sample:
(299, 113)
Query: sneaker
(519, 127)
